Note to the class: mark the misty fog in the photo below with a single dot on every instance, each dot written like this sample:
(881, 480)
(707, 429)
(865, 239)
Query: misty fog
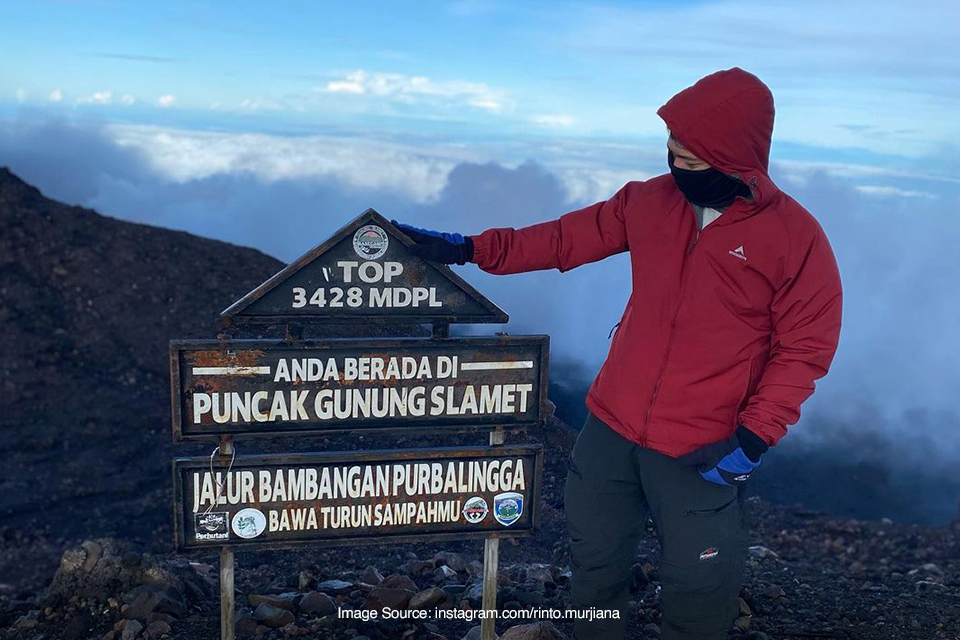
(888, 399)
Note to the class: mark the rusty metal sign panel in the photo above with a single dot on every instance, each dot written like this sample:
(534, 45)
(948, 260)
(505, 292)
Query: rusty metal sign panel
(370, 496)
(364, 273)
(263, 387)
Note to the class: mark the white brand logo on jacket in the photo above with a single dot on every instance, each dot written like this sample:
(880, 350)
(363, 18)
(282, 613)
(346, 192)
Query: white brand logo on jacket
(738, 253)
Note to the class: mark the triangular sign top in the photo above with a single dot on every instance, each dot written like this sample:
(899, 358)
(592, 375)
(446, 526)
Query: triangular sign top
(365, 272)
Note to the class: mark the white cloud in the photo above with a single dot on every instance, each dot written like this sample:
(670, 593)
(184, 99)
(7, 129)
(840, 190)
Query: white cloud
(352, 85)
(98, 97)
(418, 89)
(552, 121)
(417, 168)
(262, 104)
(888, 191)
(799, 171)
(487, 104)
(55, 96)
(166, 100)
(21, 95)
(417, 172)
(128, 100)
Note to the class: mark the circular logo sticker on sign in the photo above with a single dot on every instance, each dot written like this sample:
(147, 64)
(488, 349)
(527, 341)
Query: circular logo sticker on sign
(370, 242)
(475, 509)
(249, 523)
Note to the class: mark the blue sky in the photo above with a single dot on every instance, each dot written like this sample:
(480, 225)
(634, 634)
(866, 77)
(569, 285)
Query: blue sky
(863, 77)
(867, 89)
(270, 124)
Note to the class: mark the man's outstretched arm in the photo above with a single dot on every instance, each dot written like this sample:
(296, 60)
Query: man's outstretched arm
(575, 238)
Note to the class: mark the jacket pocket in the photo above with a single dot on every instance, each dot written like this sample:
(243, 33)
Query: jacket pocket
(710, 512)
(745, 392)
(615, 330)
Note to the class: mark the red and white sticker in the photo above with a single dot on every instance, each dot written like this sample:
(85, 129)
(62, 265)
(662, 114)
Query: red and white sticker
(709, 552)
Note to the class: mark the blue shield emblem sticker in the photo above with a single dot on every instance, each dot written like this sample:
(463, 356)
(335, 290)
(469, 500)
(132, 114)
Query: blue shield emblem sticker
(507, 507)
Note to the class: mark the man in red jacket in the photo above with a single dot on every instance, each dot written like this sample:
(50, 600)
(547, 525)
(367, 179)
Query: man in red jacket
(735, 312)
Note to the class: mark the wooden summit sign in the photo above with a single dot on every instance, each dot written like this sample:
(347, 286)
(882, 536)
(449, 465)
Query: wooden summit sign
(263, 387)
(369, 496)
(225, 388)
(365, 271)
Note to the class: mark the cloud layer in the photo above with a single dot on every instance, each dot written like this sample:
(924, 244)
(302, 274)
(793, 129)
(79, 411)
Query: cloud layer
(896, 247)
(413, 89)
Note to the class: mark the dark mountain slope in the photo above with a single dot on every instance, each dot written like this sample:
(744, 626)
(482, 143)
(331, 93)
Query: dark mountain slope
(89, 304)
(93, 300)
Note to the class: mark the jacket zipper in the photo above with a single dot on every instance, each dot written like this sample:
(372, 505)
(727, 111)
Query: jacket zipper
(752, 185)
(673, 324)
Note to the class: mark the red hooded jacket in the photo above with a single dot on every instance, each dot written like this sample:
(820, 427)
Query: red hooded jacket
(730, 324)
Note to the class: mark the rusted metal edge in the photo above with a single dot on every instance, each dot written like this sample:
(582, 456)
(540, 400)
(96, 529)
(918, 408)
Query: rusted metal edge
(496, 314)
(513, 428)
(175, 391)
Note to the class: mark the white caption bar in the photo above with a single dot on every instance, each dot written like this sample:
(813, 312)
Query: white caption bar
(230, 371)
(507, 364)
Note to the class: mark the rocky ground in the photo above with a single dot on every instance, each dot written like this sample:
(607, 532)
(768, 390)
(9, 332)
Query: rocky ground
(89, 304)
(808, 576)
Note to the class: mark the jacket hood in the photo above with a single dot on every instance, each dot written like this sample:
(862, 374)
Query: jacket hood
(726, 118)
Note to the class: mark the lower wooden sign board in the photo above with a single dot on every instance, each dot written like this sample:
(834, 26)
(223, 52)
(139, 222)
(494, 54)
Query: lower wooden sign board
(324, 387)
(336, 498)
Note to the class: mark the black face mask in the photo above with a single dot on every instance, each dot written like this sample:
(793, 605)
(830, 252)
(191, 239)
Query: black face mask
(707, 187)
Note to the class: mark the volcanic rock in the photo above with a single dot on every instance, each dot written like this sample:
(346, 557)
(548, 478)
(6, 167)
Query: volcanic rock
(371, 575)
(281, 601)
(773, 592)
(131, 630)
(535, 631)
(428, 598)
(152, 597)
(474, 634)
(273, 617)
(399, 581)
(244, 622)
(453, 560)
(384, 597)
(444, 573)
(317, 603)
(157, 629)
(334, 586)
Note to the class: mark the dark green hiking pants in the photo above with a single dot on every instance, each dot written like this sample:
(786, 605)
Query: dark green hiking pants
(612, 486)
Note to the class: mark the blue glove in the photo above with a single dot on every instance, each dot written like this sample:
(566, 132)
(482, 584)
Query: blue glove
(448, 248)
(728, 462)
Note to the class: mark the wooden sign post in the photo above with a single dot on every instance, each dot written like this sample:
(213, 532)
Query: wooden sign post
(227, 590)
(223, 389)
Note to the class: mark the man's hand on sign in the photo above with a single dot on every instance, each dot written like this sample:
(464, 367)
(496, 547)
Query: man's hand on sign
(448, 248)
